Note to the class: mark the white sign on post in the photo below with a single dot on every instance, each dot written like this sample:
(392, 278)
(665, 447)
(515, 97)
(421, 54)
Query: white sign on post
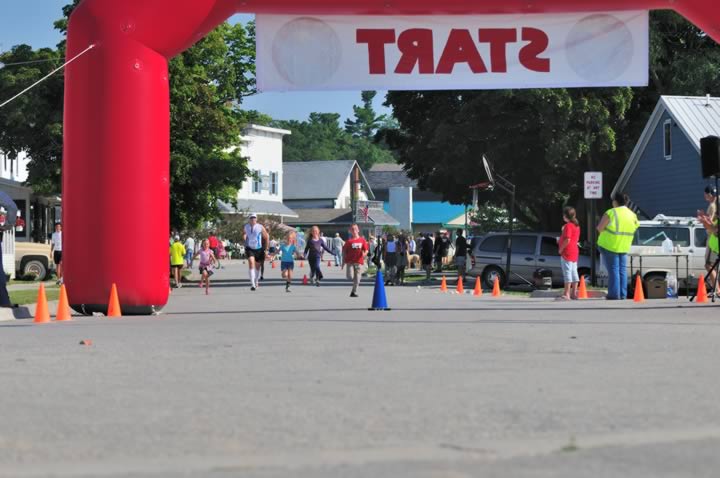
(593, 185)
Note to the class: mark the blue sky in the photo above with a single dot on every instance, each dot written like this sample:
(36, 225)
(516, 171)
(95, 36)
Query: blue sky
(30, 22)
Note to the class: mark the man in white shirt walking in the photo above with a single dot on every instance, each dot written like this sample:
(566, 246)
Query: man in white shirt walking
(56, 251)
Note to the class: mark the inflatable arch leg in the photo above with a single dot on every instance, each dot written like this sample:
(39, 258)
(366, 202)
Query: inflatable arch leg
(116, 127)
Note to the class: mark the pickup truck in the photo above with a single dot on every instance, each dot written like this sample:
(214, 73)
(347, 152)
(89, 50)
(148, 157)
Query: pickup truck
(688, 236)
(33, 258)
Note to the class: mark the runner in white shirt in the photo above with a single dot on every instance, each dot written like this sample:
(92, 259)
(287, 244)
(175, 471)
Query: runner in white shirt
(56, 251)
(189, 251)
(255, 236)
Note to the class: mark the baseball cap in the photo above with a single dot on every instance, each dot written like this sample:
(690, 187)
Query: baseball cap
(253, 215)
(710, 190)
(177, 238)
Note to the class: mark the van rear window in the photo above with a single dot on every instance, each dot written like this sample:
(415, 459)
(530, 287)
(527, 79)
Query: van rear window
(655, 235)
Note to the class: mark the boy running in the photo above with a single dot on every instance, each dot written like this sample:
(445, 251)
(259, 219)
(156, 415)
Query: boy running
(287, 258)
(354, 251)
(256, 239)
(207, 259)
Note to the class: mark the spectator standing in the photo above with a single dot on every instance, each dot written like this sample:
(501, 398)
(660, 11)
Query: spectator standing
(390, 260)
(56, 252)
(189, 251)
(461, 254)
(7, 222)
(177, 258)
(354, 252)
(426, 255)
(709, 219)
(213, 241)
(403, 248)
(337, 247)
(617, 228)
(569, 253)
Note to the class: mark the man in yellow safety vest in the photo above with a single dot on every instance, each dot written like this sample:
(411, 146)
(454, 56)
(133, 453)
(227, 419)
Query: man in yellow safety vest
(617, 228)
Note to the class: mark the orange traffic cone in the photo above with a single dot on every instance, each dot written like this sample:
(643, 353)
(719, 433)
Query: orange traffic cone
(273, 264)
(114, 304)
(477, 292)
(329, 263)
(701, 297)
(639, 294)
(496, 288)
(582, 290)
(63, 311)
(42, 314)
(443, 285)
(305, 280)
(460, 289)
(302, 264)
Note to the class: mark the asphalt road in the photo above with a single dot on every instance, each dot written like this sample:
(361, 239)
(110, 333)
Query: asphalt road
(312, 384)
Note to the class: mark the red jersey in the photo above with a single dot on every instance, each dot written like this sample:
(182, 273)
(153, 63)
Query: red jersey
(213, 242)
(353, 250)
(571, 232)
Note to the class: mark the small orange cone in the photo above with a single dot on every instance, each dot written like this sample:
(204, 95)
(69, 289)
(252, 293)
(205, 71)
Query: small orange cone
(63, 311)
(114, 304)
(329, 263)
(477, 292)
(273, 264)
(302, 264)
(443, 285)
(496, 288)
(582, 290)
(42, 314)
(305, 279)
(639, 294)
(460, 289)
(701, 297)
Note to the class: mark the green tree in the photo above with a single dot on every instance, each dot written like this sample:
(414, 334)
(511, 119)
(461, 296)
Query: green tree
(321, 138)
(366, 122)
(540, 140)
(33, 122)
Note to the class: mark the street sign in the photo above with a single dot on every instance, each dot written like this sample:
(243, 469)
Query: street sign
(593, 185)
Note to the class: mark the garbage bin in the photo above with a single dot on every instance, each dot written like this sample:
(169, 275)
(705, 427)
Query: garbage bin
(542, 279)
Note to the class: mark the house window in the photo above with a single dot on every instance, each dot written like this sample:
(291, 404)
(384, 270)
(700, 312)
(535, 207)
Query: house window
(257, 181)
(667, 139)
(274, 184)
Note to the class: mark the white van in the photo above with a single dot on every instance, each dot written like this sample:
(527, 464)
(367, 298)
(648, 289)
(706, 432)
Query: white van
(687, 235)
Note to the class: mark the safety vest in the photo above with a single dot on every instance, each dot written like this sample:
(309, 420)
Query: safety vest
(617, 237)
(713, 243)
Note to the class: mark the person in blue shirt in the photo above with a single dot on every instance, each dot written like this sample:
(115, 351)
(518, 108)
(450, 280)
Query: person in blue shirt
(288, 250)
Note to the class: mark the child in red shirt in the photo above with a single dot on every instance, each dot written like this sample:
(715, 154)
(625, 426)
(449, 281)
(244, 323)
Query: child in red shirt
(569, 253)
(354, 252)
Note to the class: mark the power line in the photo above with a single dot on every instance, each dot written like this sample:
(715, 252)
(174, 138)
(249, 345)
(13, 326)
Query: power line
(48, 75)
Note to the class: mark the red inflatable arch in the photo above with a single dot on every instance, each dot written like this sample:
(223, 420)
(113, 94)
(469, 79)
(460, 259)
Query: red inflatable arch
(116, 158)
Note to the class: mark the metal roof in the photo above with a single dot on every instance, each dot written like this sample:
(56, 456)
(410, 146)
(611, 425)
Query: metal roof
(696, 116)
(321, 217)
(318, 179)
(264, 208)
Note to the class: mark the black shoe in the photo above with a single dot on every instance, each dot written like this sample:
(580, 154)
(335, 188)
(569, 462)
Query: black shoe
(262, 278)
(252, 288)
(317, 283)
(353, 294)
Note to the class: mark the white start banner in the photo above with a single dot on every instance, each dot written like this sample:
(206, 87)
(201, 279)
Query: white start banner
(452, 51)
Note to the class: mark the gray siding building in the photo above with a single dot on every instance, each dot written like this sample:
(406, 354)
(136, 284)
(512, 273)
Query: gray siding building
(663, 174)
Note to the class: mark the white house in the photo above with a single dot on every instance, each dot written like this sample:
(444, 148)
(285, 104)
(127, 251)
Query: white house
(262, 193)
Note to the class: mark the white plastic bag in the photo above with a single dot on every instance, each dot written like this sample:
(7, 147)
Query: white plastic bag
(672, 286)
(667, 246)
